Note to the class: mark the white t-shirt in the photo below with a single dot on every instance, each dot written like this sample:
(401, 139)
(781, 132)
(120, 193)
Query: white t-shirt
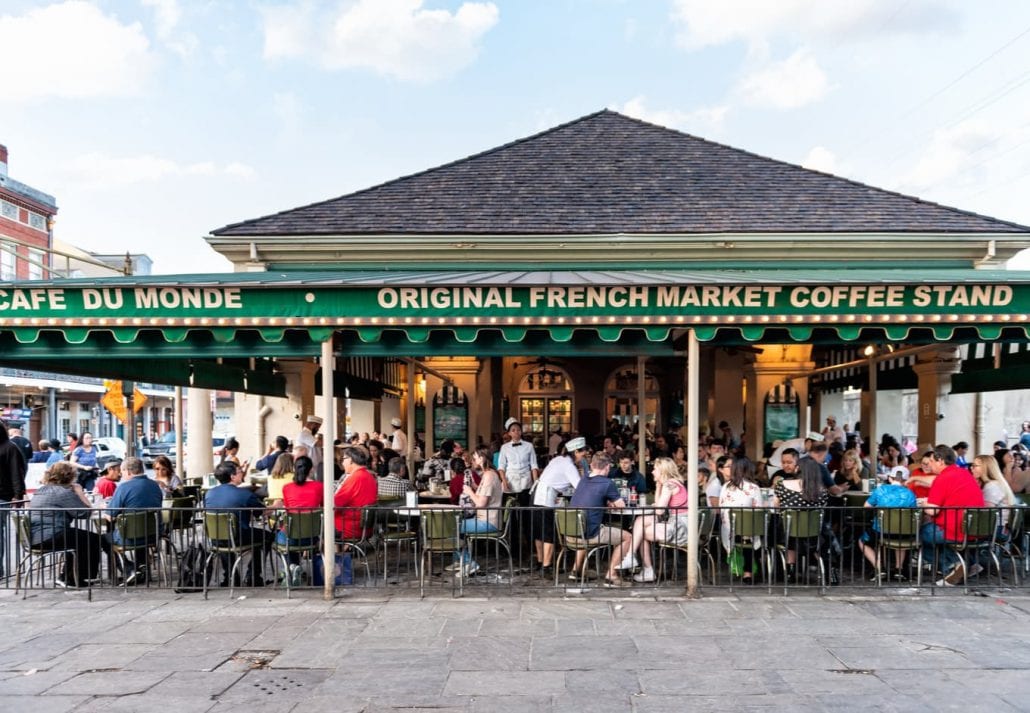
(559, 474)
(714, 488)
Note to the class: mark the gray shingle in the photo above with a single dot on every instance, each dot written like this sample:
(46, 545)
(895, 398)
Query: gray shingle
(607, 174)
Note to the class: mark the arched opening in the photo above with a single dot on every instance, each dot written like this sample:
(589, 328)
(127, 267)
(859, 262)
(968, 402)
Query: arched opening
(621, 395)
(545, 402)
(450, 416)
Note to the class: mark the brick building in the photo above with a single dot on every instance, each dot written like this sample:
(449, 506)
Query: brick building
(26, 221)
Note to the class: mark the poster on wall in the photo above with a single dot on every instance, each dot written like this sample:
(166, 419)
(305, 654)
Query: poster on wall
(450, 421)
(781, 422)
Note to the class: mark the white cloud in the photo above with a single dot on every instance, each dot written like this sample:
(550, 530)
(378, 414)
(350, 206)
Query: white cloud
(696, 121)
(953, 154)
(71, 50)
(396, 38)
(167, 16)
(98, 171)
(703, 23)
(822, 159)
(788, 84)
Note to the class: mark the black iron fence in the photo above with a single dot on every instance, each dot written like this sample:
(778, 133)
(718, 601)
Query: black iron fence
(393, 547)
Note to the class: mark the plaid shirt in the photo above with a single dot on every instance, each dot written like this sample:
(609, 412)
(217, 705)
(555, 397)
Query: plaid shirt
(391, 487)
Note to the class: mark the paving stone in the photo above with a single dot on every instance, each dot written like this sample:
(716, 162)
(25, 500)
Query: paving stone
(505, 683)
(480, 653)
(513, 704)
(109, 683)
(151, 632)
(20, 684)
(145, 702)
(518, 628)
(90, 657)
(705, 679)
(601, 683)
(38, 704)
(274, 684)
(192, 684)
(583, 653)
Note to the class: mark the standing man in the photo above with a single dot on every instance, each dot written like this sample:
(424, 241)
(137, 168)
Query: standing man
(833, 432)
(518, 469)
(961, 448)
(399, 440)
(310, 437)
(12, 484)
(23, 443)
(281, 445)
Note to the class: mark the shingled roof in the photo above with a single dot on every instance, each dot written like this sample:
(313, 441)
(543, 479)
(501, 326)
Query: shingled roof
(608, 174)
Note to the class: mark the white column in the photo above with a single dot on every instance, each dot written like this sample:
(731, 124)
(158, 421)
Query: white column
(693, 399)
(178, 427)
(328, 475)
(410, 420)
(200, 424)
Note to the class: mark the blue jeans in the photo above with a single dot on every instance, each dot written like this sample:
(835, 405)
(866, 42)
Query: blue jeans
(472, 525)
(933, 539)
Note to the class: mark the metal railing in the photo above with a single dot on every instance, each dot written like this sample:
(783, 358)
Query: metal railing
(511, 550)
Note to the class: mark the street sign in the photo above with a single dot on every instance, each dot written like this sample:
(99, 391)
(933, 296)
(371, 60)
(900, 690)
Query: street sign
(114, 400)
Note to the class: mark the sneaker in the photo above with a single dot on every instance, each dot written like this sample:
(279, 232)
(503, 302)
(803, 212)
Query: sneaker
(898, 575)
(629, 562)
(975, 570)
(589, 576)
(646, 575)
(877, 576)
(956, 575)
(468, 570)
(295, 572)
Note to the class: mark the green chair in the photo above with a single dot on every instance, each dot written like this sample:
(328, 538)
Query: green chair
(440, 534)
(705, 533)
(33, 555)
(222, 532)
(802, 528)
(299, 527)
(179, 518)
(1010, 548)
(395, 530)
(979, 535)
(361, 545)
(139, 532)
(899, 532)
(499, 538)
(571, 527)
(750, 527)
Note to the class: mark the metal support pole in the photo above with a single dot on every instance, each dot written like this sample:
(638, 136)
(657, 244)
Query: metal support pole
(641, 414)
(130, 418)
(53, 418)
(179, 430)
(870, 427)
(410, 419)
(693, 402)
(328, 475)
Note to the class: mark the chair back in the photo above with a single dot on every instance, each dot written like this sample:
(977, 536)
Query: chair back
(220, 526)
(304, 525)
(569, 523)
(180, 513)
(440, 530)
(803, 523)
(138, 528)
(898, 522)
(509, 506)
(747, 522)
(21, 524)
(705, 524)
(981, 523)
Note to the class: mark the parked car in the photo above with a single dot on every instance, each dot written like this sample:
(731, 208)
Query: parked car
(165, 445)
(107, 453)
(115, 445)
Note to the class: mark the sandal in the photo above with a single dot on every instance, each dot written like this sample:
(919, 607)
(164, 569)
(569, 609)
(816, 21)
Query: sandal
(616, 583)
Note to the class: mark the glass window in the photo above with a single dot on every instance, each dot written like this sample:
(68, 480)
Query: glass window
(545, 402)
(9, 210)
(7, 262)
(36, 270)
(621, 396)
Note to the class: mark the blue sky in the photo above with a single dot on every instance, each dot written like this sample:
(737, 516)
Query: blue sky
(156, 121)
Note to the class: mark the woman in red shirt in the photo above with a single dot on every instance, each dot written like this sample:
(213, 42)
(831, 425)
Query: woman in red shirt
(300, 496)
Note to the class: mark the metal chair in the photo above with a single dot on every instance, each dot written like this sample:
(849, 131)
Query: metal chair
(802, 528)
(178, 517)
(899, 532)
(34, 555)
(299, 527)
(571, 527)
(395, 531)
(979, 535)
(139, 532)
(222, 531)
(705, 531)
(498, 538)
(360, 545)
(1009, 548)
(440, 534)
(749, 526)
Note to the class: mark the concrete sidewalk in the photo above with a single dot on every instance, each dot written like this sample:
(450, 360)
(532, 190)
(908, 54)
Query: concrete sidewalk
(153, 651)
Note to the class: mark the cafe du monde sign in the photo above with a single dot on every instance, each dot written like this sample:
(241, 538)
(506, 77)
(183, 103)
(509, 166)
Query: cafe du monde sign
(57, 304)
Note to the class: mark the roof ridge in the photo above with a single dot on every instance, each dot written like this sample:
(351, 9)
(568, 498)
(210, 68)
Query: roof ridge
(834, 176)
(424, 171)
